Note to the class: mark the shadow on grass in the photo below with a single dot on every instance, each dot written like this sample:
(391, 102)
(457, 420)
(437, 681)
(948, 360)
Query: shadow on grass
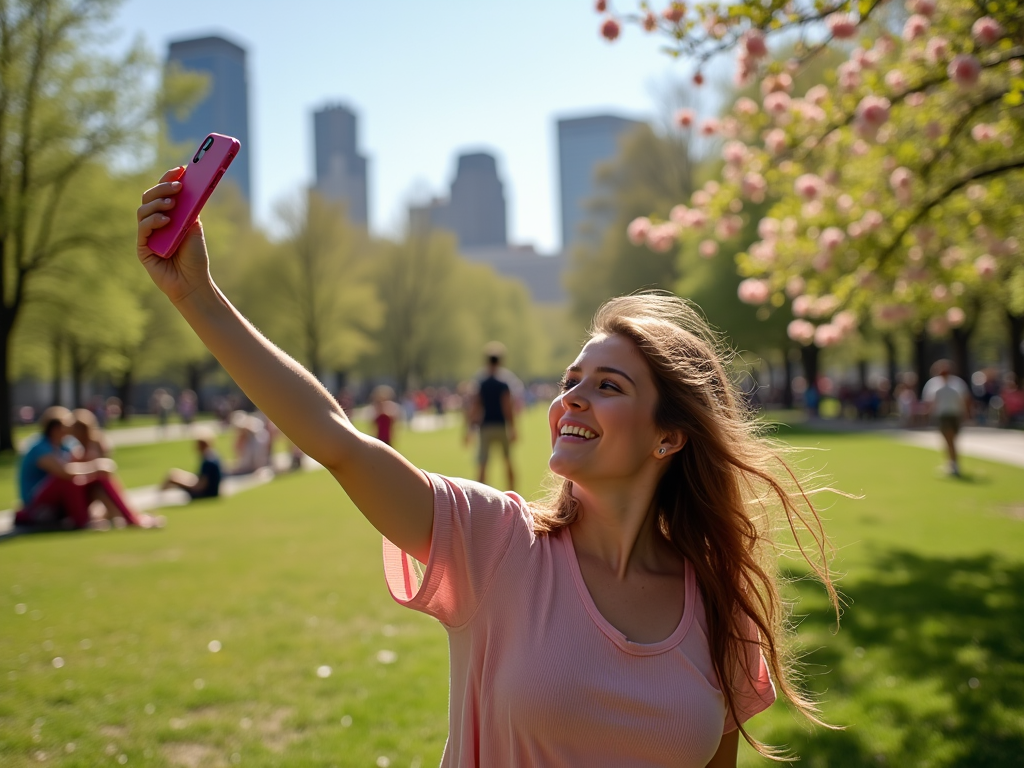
(929, 663)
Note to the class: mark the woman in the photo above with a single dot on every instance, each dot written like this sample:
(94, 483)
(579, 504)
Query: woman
(634, 621)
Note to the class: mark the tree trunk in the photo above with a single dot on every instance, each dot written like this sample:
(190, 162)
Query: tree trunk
(890, 362)
(809, 356)
(194, 377)
(959, 338)
(921, 359)
(124, 394)
(862, 373)
(58, 347)
(787, 372)
(6, 406)
(77, 374)
(1015, 325)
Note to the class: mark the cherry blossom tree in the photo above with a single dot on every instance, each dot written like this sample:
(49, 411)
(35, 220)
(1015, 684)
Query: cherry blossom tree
(895, 185)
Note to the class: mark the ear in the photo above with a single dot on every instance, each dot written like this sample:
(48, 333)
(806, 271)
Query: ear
(671, 443)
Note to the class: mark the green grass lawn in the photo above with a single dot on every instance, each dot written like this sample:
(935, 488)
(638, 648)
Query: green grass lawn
(927, 669)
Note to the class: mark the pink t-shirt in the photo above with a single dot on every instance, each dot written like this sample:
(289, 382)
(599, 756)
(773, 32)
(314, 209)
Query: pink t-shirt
(538, 676)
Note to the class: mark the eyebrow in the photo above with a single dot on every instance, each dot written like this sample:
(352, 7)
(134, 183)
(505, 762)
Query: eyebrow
(604, 369)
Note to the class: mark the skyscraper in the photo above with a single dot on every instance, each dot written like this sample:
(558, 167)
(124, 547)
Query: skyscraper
(475, 208)
(583, 144)
(225, 108)
(340, 169)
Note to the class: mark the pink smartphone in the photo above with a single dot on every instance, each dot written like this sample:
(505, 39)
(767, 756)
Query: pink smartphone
(198, 181)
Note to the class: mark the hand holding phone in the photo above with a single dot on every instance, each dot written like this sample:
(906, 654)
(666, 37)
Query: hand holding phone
(198, 181)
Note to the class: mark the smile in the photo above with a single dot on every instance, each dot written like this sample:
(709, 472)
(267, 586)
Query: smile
(572, 431)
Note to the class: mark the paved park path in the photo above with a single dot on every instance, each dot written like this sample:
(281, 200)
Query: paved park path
(1005, 446)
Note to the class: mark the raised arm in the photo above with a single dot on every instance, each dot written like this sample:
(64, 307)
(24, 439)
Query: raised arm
(393, 494)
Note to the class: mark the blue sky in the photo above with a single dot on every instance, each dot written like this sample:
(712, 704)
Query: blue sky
(428, 80)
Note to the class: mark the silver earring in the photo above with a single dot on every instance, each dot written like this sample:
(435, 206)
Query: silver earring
(661, 451)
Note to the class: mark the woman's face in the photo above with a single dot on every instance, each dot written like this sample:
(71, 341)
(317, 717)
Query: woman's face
(602, 423)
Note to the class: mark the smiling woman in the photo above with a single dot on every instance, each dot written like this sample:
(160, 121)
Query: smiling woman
(632, 621)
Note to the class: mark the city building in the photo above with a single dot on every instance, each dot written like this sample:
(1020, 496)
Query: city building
(225, 108)
(541, 274)
(340, 169)
(583, 144)
(475, 207)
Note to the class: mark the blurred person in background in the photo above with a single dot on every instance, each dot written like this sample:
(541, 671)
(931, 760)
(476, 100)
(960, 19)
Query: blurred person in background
(58, 485)
(188, 406)
(252, 444)
(948, 400)
(386, 413)
(491, 413)
(205, 484)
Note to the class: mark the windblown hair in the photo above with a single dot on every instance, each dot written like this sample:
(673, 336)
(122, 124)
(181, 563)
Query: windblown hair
(718, 500)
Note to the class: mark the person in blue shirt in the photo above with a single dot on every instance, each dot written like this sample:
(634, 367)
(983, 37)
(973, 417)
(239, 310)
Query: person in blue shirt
(205, 484)
(55, 489)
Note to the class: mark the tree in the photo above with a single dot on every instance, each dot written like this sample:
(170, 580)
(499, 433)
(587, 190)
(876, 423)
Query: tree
(896, 191)
(65, 111)
(313, 291)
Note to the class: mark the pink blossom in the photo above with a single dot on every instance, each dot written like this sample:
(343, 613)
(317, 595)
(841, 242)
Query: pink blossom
(638, 229)
(783, 81)
(956, 317)
(986, 30)
(964, 70)
(915, 99)
(812, 113)
(855, 229)
(845, 321)
(777, 102)
(901, 178)
(940, 292)
(610, 29)
(795, 286)
(600, 6)
(831, 238)
(763, 252)
(775, 140)
(872, 114)
(684, 118)
(821, 261)
(745, 68)
(827, 335)
(816, 95)
(842, 26)
(768, 228)
(754, 44)
(708, 248)
(729, 127)
(811, 209)
(809, 186)
(859, 148)
(661, 237)
(951, 257)
(923, 7)
(986, 266)
(701, 198)
(734, 152)
(984, 132)
(711, 187)
(884, 45)
(865, 58)
(709, 127)
(849, 75)
(801, 331)
(754, 186)
(746, 106)
(896, 81)
(650, 22)
(937, 50)
(825, 305)
(754, 291)
(674, 13)
(844, 203)
(728, 227)
(698, 79)
(696, 218)
(872, 220)
(680, 214)
(802, 305)
(916, 26)
(938, 325)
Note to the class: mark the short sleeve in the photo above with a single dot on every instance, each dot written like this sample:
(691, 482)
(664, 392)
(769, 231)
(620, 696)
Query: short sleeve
(753, 688)
(474, 525)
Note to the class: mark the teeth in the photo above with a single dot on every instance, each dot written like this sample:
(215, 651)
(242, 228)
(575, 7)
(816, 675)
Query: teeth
(577, 432)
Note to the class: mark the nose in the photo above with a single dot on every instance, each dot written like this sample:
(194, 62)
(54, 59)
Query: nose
(574, 400)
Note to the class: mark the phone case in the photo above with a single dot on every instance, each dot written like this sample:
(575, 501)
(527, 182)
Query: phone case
(198, 181)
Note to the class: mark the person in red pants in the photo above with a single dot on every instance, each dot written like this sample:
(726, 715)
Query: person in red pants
(56, 490)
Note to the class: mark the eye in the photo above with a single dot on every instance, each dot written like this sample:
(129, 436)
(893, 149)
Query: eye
(567, 383)
(609, 384)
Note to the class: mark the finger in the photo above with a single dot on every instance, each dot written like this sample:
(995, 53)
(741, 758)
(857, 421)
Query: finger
(149, 224)
(163, 189)
(158, 205)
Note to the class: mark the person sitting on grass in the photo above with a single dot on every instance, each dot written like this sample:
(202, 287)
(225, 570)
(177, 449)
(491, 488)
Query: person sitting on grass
(632, 620)
(206, 484)
(58, 487)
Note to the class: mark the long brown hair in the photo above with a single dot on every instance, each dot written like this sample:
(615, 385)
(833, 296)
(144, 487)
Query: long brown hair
(715, 503)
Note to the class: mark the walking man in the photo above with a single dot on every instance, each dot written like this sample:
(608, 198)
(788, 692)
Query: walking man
(491, 411)
(948, 401)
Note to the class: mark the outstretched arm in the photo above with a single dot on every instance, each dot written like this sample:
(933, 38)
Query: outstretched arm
(393, 494)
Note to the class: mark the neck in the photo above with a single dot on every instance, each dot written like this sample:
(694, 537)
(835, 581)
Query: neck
(618, 525)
